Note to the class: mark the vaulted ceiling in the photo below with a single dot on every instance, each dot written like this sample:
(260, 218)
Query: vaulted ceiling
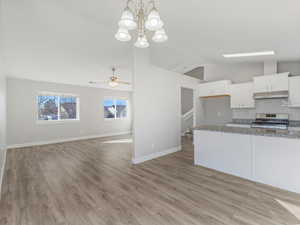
(72, 41)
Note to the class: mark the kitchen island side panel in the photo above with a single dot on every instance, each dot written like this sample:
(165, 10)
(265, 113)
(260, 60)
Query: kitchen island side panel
(225, 152)
(277, 162)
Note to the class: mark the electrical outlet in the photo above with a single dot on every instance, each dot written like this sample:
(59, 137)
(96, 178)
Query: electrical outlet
(219, 114)
(152, 146)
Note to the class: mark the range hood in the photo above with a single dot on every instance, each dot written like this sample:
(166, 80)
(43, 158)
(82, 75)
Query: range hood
(271, 95)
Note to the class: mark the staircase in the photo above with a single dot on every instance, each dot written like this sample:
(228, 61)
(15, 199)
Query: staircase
(187, 123)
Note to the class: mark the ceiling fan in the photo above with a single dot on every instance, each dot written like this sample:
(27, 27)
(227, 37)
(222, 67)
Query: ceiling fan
(113, 81)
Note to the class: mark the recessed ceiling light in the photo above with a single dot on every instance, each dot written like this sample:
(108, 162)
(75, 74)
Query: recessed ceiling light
(249, 54)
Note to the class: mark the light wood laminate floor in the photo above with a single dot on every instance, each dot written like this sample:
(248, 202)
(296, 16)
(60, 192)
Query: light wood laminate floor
(93, 182)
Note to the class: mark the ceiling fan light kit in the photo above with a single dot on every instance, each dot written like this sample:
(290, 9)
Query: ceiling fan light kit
(113, 81)
(113, 84)
(138, 16)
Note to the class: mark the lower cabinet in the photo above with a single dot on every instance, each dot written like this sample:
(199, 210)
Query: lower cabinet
(294, 91)
(270, 160)
(226, 152)
(277, 162)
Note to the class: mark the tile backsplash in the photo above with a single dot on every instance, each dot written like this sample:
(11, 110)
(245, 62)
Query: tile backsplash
(267, 106)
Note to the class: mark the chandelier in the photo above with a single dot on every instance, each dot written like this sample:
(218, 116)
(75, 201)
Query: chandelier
(144, 19)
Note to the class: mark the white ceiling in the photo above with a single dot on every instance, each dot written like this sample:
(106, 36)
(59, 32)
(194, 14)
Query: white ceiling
(72, 41)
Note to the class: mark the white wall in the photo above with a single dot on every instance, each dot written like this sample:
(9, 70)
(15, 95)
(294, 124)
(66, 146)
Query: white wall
(157, 109)
(22, 113)
(270, 67)
(2, 111)
(293, 67)
(2, 126)
(236, 72)
(243, 72)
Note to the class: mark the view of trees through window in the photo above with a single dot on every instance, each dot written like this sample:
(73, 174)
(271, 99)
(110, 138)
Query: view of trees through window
(57, 107)
(68, 108)
(115, 108)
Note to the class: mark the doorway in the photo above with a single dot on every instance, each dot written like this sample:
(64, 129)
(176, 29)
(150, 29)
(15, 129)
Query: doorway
(187, 111)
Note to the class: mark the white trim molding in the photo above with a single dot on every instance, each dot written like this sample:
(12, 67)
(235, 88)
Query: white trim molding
(2, 169)
(30, 144)
(156, 155)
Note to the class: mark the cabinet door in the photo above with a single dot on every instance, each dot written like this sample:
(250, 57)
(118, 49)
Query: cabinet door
(203, 90)
(262, 84)
(280, 82)
(294, 95)
(235, 100)
(242, 95)
(213, 88)
(235, 97)
(220, 88)
(247, 95)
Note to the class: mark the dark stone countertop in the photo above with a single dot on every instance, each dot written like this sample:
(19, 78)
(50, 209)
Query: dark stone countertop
(251, 131)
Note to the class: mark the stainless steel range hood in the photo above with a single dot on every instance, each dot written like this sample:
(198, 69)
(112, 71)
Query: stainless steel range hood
(271, 95)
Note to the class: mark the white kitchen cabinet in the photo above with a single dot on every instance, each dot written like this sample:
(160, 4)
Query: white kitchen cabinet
(268, 160)
(241, 96)
(271, 83)
(261, 84)
(217, 88)
(276, 162)
(294, 91)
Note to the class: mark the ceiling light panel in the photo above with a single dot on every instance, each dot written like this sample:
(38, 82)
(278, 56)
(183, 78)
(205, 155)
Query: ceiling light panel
(249, 54)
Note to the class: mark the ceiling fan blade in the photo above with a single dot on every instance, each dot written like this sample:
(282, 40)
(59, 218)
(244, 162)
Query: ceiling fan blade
(98, 82)
(123, 82)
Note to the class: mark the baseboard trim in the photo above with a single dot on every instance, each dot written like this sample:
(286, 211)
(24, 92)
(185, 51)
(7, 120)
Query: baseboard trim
(155, 155)
(57, 141)
(2, 148)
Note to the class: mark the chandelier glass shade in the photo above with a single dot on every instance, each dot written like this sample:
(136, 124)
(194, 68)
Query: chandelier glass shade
(123, 35)
(160, 36)
(127, 20)
(144, 19)
(142, 42)
(154, 22)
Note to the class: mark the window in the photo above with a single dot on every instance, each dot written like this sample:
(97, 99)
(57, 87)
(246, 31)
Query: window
(54, 107)
(115, 108)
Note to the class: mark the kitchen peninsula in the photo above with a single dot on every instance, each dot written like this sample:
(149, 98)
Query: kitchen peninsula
(266, 156)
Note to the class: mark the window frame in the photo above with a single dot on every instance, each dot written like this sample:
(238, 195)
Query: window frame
(115, 101)
(59, 95)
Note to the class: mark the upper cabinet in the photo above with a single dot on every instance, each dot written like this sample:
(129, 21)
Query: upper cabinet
(294, 94)
(241, 96)
(271, 83)
(217, 88)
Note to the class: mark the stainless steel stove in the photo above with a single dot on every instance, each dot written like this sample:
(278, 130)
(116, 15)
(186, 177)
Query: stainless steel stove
(271, 121)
